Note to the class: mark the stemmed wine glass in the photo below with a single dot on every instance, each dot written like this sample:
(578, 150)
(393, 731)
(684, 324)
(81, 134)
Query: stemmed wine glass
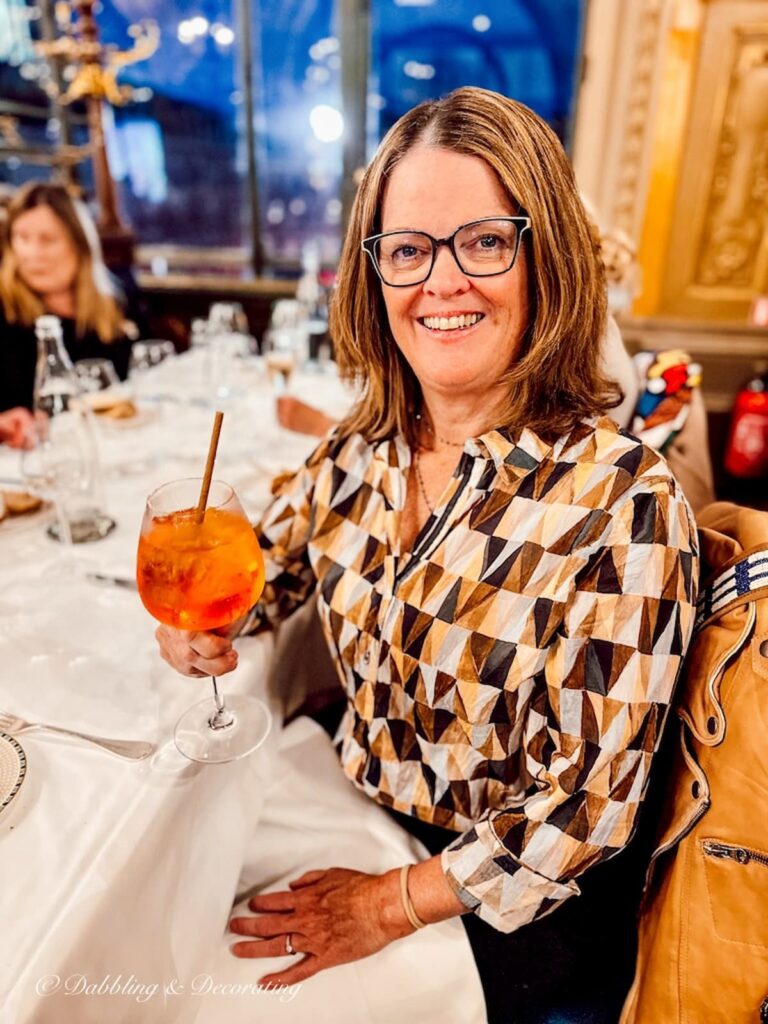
(285, 343)
(202, 570)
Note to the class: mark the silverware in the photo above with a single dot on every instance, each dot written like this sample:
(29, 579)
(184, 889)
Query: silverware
(162, 396)
(134, 750)
(115, 581)
(14, 483)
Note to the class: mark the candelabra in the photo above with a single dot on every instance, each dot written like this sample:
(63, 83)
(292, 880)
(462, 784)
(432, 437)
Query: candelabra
(93, 81)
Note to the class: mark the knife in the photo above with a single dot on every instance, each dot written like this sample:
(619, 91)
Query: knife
(115, 581)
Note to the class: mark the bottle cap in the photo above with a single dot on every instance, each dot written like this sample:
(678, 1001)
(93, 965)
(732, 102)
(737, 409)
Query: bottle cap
(48, 325)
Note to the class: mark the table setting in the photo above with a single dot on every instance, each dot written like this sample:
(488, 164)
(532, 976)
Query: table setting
(121, 856)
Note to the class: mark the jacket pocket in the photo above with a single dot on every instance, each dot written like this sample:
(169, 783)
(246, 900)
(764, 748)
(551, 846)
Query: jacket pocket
(737, 888)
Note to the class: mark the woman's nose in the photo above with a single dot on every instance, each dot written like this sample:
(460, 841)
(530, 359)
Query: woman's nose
(447, 277)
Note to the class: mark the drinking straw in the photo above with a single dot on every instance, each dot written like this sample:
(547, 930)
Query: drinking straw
(206, 486)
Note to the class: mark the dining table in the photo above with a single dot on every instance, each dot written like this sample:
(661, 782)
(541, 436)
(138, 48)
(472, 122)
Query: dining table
(118, 874)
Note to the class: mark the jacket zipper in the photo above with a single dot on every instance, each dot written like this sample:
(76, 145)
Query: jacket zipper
(725, 851)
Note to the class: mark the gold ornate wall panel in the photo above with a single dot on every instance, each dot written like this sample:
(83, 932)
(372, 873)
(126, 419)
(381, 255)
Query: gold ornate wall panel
(647, 39)
(715, 259)
(624, 46)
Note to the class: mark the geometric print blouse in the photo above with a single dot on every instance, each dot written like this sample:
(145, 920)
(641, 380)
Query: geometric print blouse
(508, 677)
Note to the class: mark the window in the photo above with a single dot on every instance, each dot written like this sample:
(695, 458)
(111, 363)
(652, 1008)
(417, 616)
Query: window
(192, 171)
(177, 150)
(299, 128)
(422, 49)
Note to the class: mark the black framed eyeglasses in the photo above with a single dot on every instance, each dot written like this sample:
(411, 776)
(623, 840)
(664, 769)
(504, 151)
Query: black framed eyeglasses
(482, 248)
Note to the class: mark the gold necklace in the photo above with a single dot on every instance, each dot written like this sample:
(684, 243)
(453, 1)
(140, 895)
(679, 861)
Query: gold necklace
(430, 430)
(420, 481)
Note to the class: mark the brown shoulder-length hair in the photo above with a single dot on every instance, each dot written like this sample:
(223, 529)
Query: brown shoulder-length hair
(556, 380)
(95, 310)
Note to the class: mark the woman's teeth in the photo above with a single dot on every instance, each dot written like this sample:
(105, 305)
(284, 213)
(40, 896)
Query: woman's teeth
(450, 323)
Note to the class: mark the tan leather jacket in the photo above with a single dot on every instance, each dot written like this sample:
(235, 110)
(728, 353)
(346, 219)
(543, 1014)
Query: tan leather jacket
(703, 940)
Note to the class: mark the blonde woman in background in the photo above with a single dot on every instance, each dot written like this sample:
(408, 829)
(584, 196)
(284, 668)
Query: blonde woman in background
(52, 264)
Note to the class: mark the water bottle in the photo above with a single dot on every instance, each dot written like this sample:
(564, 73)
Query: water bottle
(66, 455)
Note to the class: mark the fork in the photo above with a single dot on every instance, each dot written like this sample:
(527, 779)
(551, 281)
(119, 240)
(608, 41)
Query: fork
(134, 750)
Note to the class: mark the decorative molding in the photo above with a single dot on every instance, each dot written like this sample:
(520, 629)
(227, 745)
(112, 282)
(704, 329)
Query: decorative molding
(736, 218)
(637, 109)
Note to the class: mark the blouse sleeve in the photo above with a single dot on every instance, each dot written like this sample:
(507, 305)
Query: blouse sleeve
(594, 721)
(283, 534)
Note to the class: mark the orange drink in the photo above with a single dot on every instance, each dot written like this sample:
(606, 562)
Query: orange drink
(199, 576)
(199, 570)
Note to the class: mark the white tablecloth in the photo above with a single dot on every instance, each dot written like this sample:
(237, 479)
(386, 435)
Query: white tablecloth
(118, 876)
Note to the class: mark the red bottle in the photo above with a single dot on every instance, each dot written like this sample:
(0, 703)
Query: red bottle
(746, 454)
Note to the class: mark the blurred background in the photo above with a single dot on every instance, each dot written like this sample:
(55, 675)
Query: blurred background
(218, 143)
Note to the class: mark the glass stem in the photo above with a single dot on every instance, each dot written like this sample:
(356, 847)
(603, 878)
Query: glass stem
(216, 695)
(222, 718)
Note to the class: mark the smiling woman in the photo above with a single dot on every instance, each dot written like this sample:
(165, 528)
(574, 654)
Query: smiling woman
(491, 297)
(506, 580)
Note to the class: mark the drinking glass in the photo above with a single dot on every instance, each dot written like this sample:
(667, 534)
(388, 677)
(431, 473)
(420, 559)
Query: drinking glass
(285, 342)
(203, 574)
(146, 354)
(96, 374)
(60, 464)
(280, 358)
(228, 317)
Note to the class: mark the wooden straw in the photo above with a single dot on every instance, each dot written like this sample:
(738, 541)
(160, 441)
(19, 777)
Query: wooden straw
(203, 499)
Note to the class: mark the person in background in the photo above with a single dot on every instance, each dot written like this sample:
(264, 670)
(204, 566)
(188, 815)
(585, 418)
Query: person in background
(51, 263)
(506, 580)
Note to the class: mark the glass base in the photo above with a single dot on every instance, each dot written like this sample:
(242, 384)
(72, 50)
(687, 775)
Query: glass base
(83, 531)
(196, 739)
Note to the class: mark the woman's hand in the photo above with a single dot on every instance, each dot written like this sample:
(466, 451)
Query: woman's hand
(328, 917)
(199, 654)
(17, 427)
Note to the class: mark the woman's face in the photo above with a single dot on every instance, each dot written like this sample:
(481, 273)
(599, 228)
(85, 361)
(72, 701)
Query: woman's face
(436, 190)
(45, 254)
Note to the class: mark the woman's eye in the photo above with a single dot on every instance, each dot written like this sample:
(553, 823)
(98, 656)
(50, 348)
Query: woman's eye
(407, 254)
(489, 241)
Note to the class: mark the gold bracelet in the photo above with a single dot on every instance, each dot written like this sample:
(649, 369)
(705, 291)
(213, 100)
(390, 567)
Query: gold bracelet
(410, 911)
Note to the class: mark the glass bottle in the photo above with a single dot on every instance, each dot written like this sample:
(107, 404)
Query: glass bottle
(65, 459)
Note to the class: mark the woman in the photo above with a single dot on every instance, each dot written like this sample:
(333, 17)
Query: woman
(506, 580)
(51, 265)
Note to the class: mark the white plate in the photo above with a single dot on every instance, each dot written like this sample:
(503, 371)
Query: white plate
(13, 769)
(144, 414)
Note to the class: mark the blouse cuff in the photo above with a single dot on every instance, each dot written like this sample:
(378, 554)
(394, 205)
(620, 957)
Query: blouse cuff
(494, 884)
(255, 622)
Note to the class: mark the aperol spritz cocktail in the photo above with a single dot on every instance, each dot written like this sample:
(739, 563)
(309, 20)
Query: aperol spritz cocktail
(203, 572)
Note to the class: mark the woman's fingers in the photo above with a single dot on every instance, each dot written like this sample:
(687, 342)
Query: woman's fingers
(300, 972)
(263, 927)
(308, 878)
(196, 654)
(261, 949)
(272, 902)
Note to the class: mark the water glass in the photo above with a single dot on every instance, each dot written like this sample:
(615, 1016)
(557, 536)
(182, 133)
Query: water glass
(96, 374)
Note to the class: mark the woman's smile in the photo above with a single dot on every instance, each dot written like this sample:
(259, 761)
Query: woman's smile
(448, 325)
